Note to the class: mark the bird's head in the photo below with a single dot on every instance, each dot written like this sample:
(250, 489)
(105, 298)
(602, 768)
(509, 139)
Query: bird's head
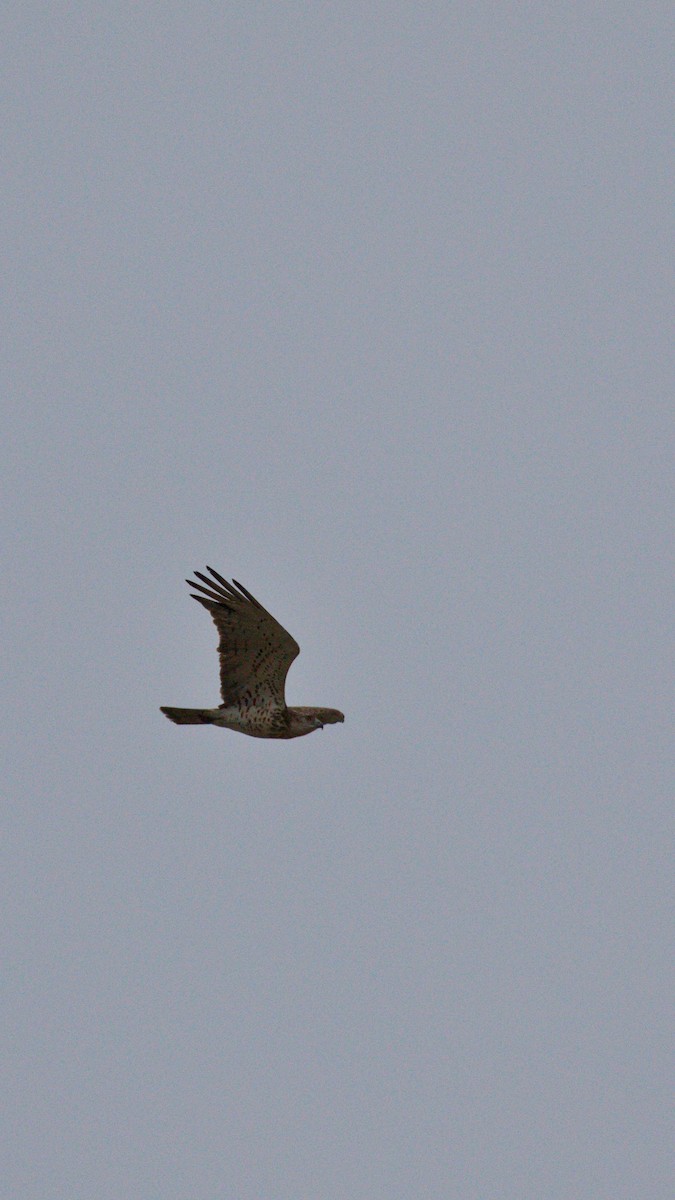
(306, 720)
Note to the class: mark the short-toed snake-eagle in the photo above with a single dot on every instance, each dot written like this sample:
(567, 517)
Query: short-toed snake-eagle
(255, 654)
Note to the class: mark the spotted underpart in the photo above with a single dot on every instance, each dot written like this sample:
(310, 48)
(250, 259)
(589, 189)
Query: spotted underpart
(255, 654)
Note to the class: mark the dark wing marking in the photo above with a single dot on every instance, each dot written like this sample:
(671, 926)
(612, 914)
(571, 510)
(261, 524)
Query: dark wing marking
(255, 650)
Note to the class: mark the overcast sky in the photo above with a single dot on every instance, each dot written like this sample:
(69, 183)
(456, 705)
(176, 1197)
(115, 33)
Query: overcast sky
(365, 305)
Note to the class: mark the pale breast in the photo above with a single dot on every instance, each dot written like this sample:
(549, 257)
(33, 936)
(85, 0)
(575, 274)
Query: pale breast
(254, 720)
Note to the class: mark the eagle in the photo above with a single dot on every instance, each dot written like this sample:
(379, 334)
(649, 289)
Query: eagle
(255, 653)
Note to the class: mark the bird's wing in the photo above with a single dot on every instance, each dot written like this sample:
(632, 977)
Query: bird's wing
(255, 650)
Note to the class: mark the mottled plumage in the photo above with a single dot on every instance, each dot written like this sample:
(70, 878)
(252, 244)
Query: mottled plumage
(255, 654)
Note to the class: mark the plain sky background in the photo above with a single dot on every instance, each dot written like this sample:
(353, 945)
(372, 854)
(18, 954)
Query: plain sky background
(365, 305)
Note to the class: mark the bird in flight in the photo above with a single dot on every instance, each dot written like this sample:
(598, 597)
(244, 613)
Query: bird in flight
(255, 653)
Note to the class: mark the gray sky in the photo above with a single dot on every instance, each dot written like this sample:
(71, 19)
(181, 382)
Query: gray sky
(366, 306)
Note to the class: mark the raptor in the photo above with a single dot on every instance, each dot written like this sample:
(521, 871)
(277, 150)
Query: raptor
(255, 654)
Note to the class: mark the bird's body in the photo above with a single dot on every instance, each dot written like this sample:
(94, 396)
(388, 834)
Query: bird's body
(255, 655)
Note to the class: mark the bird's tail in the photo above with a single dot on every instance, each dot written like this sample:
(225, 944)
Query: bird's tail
(189, 716)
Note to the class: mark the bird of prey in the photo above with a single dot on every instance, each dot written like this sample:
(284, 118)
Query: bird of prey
(255, 654)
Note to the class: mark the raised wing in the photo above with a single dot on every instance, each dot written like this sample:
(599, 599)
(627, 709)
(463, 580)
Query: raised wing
(255, 650)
